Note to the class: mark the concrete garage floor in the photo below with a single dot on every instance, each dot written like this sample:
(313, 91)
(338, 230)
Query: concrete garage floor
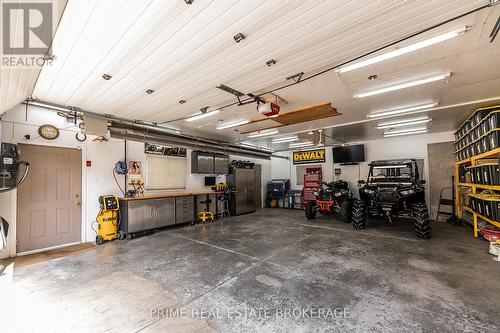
(379, 279)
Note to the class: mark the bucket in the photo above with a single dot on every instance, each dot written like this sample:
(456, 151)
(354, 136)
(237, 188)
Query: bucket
(493, 138)
(494, 120)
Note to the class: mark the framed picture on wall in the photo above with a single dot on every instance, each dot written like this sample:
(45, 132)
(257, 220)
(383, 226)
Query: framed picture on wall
(135, 168)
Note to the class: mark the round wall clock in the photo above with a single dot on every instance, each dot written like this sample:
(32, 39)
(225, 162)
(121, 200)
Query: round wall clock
(48, 132)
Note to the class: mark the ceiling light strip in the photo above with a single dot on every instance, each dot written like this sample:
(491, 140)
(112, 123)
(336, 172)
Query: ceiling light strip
(301, 144)
(405, 123)
(413, 129)
(403, 50)
(263, 133)
(405, 133)
(233, 124)
(402, 111)
(400, 121)
(403, 86)
(285, 139)
(202, 115)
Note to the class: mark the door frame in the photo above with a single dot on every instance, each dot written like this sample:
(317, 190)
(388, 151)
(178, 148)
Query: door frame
(83, 213)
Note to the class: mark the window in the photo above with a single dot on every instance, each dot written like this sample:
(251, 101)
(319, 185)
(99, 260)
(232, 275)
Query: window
(301, 171)
(165, 173)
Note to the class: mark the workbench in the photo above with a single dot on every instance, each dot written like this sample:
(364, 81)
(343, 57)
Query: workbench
(145, 214)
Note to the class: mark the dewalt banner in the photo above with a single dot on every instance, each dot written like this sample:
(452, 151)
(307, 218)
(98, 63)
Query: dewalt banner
(309, 156)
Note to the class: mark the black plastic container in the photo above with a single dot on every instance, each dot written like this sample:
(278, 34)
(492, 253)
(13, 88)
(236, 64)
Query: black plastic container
(461, 133)
(473, 178)
(468, 126)
(468, 139)
(480, 205)
(478, 175)
(485, 175)
(472, 150)
(494, 138)
(485, 125)
(461, 155)
(477, 132)
(473, 203)
(479, 147)
(491, 206)
(493, 172)
(480, 115)
(485, 143)
(494, 120)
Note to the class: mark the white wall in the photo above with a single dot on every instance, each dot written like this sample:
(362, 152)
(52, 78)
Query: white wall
(390, 148)
(97, 179)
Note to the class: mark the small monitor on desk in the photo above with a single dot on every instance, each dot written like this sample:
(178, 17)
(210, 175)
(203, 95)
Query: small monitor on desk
(210, 181)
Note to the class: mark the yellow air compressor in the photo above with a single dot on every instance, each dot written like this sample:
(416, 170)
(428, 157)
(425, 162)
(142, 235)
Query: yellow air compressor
(108, 220)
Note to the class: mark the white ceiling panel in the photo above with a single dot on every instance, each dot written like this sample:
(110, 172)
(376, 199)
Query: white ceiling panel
(255, 79)
(17, 82)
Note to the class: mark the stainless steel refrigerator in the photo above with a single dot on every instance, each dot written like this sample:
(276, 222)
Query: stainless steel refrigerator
(247, 184)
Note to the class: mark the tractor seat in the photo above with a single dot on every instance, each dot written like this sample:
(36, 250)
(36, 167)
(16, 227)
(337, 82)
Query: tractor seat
(204, 216)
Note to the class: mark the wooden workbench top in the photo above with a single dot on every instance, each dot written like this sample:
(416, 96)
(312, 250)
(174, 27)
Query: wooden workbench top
(171, 195)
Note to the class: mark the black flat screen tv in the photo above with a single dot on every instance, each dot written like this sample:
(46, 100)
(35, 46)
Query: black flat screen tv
(349, 154)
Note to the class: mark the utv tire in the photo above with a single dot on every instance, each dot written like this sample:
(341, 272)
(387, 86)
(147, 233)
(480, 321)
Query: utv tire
(346, 210)
(311, 210)
(358, 214)
(421, 221)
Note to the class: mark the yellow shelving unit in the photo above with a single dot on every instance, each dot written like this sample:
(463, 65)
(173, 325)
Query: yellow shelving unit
(473, 161)
(482, 187)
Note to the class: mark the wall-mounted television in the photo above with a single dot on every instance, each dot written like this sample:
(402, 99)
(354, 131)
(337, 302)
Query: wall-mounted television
(349, 154)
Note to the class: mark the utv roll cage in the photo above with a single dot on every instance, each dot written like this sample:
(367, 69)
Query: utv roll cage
(390, 172)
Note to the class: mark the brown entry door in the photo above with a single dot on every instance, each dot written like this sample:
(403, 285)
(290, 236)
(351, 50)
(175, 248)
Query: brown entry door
(49, 201)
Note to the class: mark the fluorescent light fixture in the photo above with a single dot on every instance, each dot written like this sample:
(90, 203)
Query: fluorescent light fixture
(419, 128)
(233, 124)
(202, 115)
(404, 122)
(407, 131)
(267, 149)
(301, 144)
(286, 139)
(403, 50)
(402, 111)
(259, 134)
(403, 85)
